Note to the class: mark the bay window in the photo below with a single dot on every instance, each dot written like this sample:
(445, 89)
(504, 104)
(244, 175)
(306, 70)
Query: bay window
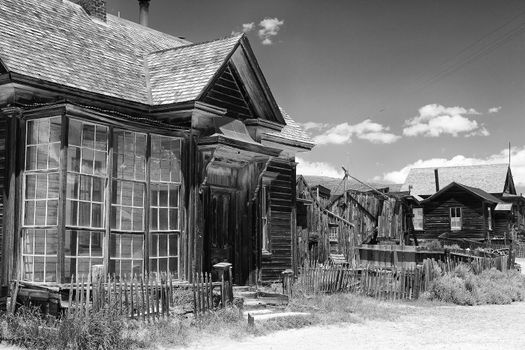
(145, 167)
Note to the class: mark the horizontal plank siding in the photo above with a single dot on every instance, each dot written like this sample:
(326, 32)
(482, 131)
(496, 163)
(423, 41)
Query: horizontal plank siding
(281, 203)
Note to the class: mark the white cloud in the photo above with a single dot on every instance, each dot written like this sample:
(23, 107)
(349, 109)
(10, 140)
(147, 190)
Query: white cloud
(313, 125)
(344, 132)
(494, 109)
(434, 120)
(246, 28)
(517, 165)
(305, 167)
(269, 29)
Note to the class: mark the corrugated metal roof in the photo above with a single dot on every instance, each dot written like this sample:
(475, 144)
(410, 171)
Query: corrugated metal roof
(489, 178)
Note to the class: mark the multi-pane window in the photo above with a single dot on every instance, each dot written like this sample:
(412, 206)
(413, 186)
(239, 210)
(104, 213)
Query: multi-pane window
(87, 172)
(88, 178)
(40, 255)
(129, 184)
(417, 219)
(165, 177)
(455, 219)
(41, 193)
(334, 234)
(127, 254)
(82, 250)
(127, 203)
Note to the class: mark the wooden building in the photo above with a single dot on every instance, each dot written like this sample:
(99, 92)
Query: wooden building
(353, 215)
(143, 152)
(484, 190)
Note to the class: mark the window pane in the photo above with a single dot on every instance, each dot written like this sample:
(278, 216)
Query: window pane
(163, 245)
(174, 245)
(88, 156)
(43, 130)
(83, 243)
(137, 219)
(30, 186)
(70, 243)
(40, 241)
(41, 186)
(174, 219)
(31, 158)
(96, 215)
(98, 189)
(88, 135)
(53, 184)
(52, 213)
(75, 129)
(138, 247)
(40, 213)
(55, 129)
(100, 163)
(41, 156)
(51, 242)
(28, 242)
(84, 214)
(125, 218)
(73, 159)
(32, 132)
(163, 219)
(54, 155)
(126, 249)
(38, 268)
(71, 213)
(101, 140)
(96, 244)
(163, 195)
(154, 245)
(29, 217)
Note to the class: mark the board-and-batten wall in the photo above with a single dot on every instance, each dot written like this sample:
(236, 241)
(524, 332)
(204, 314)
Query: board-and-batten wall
(281, 221)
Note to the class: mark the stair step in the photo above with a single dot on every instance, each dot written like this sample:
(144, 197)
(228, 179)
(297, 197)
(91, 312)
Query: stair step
(269, 316)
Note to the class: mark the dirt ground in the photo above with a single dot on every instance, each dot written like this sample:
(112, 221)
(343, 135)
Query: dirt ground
(443, 327)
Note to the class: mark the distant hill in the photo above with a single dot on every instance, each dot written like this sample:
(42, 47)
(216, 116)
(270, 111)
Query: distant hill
(336, 186)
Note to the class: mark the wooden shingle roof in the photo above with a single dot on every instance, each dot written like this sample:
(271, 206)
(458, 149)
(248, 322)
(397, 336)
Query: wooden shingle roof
(292, 131)
(58, 42)
(475, 191)
(491, 178)
(181, 74)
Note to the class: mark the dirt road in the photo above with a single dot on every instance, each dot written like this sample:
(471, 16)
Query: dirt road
(445, 327)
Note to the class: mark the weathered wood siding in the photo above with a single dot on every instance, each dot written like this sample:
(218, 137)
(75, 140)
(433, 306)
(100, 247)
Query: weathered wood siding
(436, 219)
(3, 180)
(365, 209)
(281, 203)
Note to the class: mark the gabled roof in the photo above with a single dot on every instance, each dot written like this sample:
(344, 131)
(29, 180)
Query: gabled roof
(491, 178)
(181, 74)
(56, 41)
(475, 191)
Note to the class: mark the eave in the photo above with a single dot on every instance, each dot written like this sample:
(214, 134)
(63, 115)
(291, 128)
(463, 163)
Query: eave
(288, 142)
(214, 141)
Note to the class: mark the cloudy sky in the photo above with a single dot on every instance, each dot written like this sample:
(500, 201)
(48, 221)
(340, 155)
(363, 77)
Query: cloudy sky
(380, 85)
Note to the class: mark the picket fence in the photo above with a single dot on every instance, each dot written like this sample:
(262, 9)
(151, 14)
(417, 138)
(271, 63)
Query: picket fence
(385, 283)
(146, 298)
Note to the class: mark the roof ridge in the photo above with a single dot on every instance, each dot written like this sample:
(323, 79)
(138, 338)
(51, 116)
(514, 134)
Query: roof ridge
(459, 166)
(144, 28)
(196, 44)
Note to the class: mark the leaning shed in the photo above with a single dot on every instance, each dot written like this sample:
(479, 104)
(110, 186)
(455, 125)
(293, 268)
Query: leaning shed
(137, 150)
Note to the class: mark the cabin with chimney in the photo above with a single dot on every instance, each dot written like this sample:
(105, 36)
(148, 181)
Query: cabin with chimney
(126, 147)
(475, 203)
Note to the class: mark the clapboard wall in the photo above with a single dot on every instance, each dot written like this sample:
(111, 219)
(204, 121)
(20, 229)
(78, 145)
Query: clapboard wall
(282, 202)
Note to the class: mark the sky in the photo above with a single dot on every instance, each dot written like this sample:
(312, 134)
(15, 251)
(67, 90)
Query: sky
(381, 86)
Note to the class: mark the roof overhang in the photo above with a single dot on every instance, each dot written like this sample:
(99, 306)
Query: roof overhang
(297, 146)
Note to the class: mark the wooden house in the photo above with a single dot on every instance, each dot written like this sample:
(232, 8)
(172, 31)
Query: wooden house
(487, 194)
(133, 149)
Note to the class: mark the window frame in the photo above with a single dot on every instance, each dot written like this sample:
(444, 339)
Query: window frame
(419, 223)
(63, 169)
(489, 218)
(456, 221)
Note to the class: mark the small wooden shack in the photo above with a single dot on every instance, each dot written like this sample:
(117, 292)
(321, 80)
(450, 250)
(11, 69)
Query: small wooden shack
(137, 150)
(487, 205)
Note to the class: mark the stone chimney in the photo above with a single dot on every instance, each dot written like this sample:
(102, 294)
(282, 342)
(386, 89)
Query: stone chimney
(144, 12)
(94, 8)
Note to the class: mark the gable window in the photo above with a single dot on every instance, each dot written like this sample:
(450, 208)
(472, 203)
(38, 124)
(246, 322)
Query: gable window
(417, 219)
(455, 219)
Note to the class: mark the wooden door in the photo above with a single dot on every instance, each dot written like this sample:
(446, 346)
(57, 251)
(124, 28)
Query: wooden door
(220, 227)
